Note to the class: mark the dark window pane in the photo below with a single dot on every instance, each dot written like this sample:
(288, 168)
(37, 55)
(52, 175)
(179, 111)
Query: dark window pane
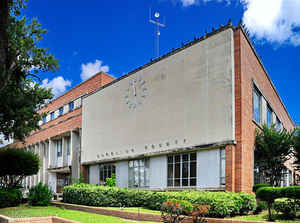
(192, 169)
(193, 182)
(177, 158)
(101, 175)
(170, 182)
(185, 170)
(177, 182)
(170, 171)
(185, 157)
(185, 182)
(193, 156)
(113, 169)
(177, 170)
(170, 159)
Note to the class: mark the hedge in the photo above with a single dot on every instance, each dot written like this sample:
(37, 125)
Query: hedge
(288, 207)
(221, 204)
(257, 186)
(269, 194)
(10, 197)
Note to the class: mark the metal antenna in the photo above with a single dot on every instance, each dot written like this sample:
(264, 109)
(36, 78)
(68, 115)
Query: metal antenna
(157, 31)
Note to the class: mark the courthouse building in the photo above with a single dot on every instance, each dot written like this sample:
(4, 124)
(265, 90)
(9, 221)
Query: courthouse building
(184, 120)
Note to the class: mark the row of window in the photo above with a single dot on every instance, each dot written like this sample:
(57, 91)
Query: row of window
(257, 110)
(182, 171)
(60, 112)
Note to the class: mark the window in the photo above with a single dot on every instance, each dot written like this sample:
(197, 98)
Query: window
(269, 116)
(59, 148)
(182, 170)
(106, 171)
(44, 119)
(256, 105)
(138, 173)
(278, 124)
(71, 106)
(61, 111)
(222, 166)
(52, 115)
(68, 146)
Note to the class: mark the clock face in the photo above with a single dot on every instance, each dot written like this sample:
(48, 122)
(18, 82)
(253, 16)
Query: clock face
(136, 92)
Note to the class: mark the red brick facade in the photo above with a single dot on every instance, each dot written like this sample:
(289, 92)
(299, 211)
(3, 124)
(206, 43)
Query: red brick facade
(248, 70)
(70, 120)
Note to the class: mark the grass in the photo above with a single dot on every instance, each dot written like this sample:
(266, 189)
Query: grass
(134, 209)
(263, 216)
(84, 217)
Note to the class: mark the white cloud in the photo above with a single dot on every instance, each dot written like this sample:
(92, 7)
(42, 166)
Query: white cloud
(90, 69)
(186, 3)
(58, 85)
(273, 20)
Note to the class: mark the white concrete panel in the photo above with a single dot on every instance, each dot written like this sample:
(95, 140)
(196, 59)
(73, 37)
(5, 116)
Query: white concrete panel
(94, 174)
(208, 168)
(189, 102)
(77, 103)
(158, 172)
(56, 113)
(66, 108)
(122, 174)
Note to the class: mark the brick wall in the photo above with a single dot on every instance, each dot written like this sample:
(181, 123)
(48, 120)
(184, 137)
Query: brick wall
(70, 120)
(248, 69)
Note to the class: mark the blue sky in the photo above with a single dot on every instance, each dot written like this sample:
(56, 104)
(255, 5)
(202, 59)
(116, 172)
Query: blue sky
(116, 36)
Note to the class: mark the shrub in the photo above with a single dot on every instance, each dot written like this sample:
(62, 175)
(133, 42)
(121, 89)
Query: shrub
(221, 203)
(261, 206)
(172, 210)
(200, 211)
(15, 165)
(111, 182)
(40, 195)
(257, 186)
(10, 197)
(287, 207)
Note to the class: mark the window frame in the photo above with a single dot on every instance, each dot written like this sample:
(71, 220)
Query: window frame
(258, 93)
(143, 182)
(61, 111)
(109, 167)
(44, 119)
(222, 171)
(173, 178)
(269, 116)
(52, 116)
(59, 148)
(71, 106)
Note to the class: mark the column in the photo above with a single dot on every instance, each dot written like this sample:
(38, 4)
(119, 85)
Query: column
(75, 156)
(230, 168)
(41, 152)
(64, 154)
(46, 159)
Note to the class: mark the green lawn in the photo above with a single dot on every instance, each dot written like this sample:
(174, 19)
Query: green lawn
(263, 216)
(84, 217)
(134, 209)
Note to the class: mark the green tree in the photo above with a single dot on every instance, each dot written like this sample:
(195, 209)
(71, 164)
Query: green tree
(273, 148)
(15, 165)
(20, 61)
(296, 149)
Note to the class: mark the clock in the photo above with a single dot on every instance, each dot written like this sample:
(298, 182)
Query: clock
(135, 93)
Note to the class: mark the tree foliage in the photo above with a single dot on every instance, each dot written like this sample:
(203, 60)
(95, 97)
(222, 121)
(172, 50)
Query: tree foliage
(15, 165)
(273, 149)
(20, 61)
(296, 149)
